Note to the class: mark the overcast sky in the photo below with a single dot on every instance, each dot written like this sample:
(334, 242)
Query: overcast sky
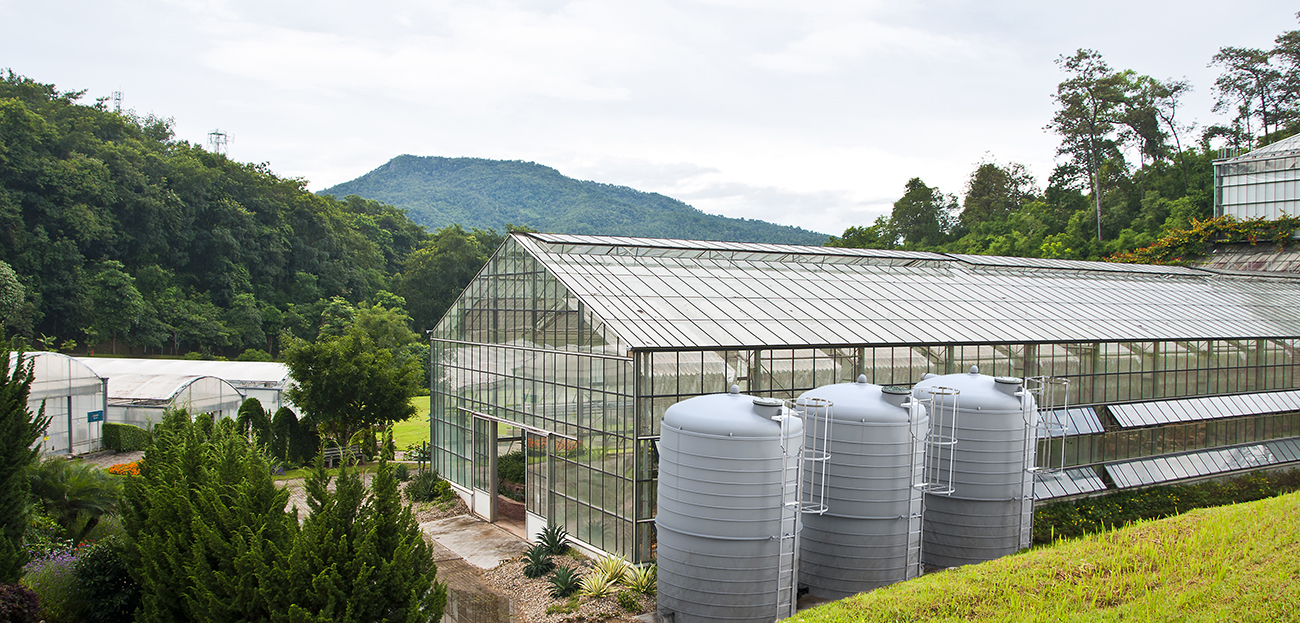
(811, 112)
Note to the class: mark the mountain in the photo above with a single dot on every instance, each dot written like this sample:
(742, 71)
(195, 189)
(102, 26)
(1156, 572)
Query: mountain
(475, 192)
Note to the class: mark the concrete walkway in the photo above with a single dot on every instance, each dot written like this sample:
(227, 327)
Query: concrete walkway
(476, 541)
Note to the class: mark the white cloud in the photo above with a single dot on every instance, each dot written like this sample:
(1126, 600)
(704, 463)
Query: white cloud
(829, 46)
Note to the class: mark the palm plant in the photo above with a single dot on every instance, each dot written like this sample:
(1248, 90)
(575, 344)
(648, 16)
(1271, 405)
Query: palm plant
(75, 494)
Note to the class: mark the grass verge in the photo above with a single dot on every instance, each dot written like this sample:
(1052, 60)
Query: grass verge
(416, 429)
(1231, 563)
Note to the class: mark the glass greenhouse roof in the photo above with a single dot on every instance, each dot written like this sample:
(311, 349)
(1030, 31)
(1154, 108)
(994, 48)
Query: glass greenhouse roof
(1210, 408)
(1080, 421)
(1285, 147)
(680, 294)
(1160, 469)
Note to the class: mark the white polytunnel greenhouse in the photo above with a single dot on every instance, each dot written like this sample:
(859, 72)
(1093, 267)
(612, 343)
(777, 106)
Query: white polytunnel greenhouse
(263, 380)
(141, 399)
(575, 347)
(74, 398)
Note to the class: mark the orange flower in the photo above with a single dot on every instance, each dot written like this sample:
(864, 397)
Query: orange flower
(125, 469)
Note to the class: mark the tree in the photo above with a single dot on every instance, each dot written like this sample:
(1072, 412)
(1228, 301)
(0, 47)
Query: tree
(11, 295)
(346, 383)
(1090, 101)
(359, 557)
(252, 420)
(923, 217)
(19, 451)
(116, 305)
(204, 523)
(995, 192)
(1251, 84)
(434, 275)
(879, 235)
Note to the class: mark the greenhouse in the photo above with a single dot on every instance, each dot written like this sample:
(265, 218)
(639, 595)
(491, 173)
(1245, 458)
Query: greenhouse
(141, 399)
(74, 399)
(1264, 183)
(576, 345)
(263, 380)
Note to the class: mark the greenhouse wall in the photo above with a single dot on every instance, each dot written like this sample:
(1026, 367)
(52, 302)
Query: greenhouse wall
(73, 398)
(1264, 183)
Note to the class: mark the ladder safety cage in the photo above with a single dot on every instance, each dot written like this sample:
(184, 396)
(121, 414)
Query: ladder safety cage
(916, 517)
(1050, 422)
(816, 415)
(941, 439)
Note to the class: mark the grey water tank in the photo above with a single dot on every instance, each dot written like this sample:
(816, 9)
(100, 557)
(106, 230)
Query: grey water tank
(870, 534)
(723, 480)
(989, 513)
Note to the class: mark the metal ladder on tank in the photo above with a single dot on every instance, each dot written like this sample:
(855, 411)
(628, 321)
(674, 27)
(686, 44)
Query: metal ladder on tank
(1042, 390)
(815, 413)
(936, 475)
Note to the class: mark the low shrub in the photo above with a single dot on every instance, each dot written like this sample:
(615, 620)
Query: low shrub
(568, 607)
(612, 567)
(629, 601)
(111, 596)
(124, 437)
(18, 604)
(510, 467)
(423, 487)
(443, 492)
(595, 584)
(402, 472)
(564, 582)
(55, 583)
(537, 561)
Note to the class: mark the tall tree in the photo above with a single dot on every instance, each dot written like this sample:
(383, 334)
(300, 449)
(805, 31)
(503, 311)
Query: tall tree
(345, 384)
(11, 296)
(434, 275)
(19, 451)
(923, 216)
(1090, 101)
(1251, 85)
(994, 192)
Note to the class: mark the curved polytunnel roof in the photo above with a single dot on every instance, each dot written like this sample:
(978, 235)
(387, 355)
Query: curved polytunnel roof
(237, 373)
(161, 389)
(679, 294)
(56, 374)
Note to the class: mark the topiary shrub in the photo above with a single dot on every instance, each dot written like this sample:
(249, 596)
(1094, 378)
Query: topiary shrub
(18, 604)
(124, 437)
(111, 596)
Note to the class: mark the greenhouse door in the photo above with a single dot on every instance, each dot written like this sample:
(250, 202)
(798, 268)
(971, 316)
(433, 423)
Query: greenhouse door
(538, 466)
(485, 468)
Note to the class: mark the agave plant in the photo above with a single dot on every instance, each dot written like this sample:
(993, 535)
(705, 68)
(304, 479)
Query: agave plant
(555, 538)
(564, 582)
(537, 562)
(596, 584)
(611, 567)
(641, 579)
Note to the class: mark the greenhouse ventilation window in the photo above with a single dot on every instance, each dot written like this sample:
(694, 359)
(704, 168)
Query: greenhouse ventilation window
(1155, 470)
(1076, 481)
(1209, 408)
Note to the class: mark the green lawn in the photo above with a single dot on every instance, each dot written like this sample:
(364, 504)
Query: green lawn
(1232, 563)
(416, 429)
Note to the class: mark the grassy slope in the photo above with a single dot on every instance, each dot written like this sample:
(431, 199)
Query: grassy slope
(416, 429)
(1232, 563)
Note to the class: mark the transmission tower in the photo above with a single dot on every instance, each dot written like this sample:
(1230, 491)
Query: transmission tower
(218, 141)
(117, 101)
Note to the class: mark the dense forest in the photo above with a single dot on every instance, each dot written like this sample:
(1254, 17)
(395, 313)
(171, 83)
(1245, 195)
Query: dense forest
(116, 236)
(492, 194)
(1133, 178)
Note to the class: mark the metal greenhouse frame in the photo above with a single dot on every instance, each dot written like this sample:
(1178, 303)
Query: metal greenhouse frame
(576, 345)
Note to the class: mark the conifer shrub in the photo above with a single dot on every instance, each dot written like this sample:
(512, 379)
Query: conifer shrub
(110, 594)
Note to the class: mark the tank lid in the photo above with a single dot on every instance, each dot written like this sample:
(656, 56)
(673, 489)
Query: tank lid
(1007, 380)
(764, 401)
(896, 390)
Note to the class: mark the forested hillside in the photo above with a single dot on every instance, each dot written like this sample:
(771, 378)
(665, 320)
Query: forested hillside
(492, 194)
(120, 237)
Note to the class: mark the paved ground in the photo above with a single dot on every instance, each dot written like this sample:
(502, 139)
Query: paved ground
(462, 547)
(477, 542)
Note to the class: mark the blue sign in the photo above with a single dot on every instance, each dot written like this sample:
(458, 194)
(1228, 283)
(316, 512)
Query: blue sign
(95, 416)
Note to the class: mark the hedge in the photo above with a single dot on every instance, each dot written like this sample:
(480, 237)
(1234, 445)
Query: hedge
(124, 437)
(1078, 517)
